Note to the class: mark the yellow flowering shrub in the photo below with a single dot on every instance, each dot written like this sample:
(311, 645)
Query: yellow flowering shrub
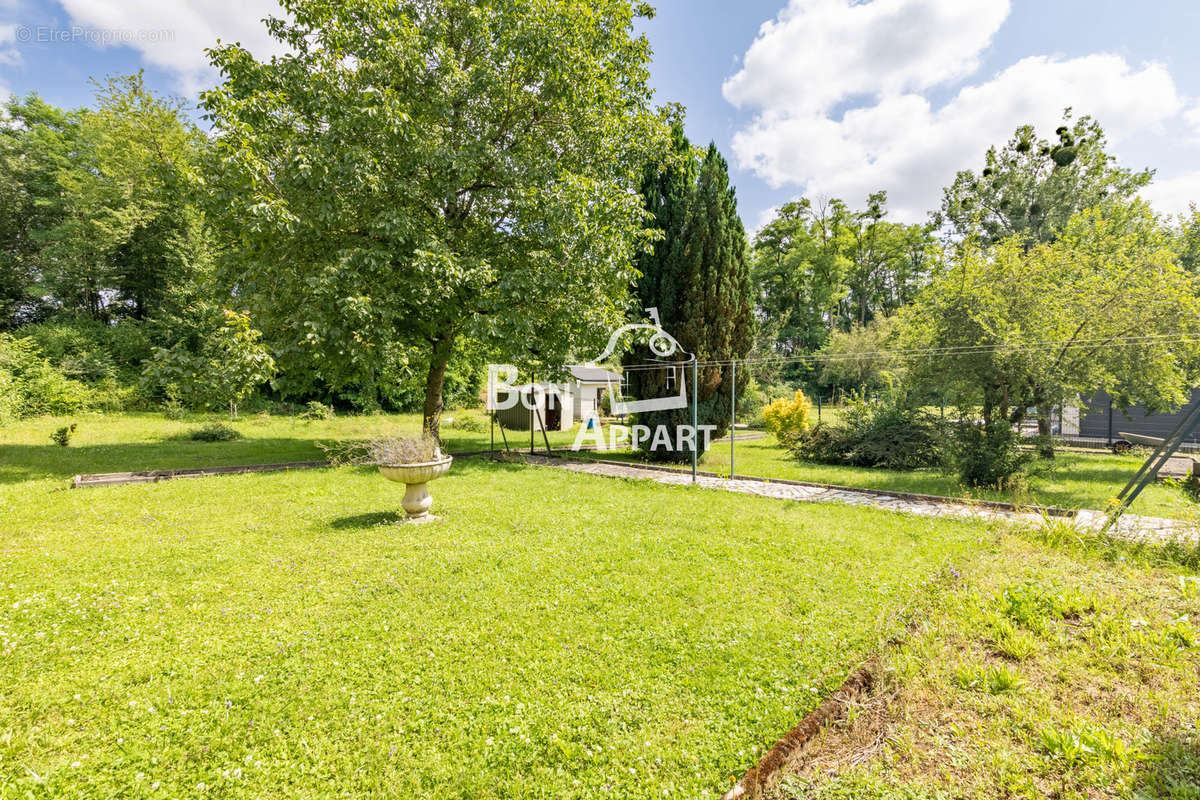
(787, 419)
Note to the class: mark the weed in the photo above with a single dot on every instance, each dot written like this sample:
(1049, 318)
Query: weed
(1011, 642)
(1086, 744)
(1181, 633)
(996, 679)
(1032, 605)
(62, 436)
(1057, 531)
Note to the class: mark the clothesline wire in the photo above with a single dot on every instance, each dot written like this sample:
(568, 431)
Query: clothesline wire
(929, 352)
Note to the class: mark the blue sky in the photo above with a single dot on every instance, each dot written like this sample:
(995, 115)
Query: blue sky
(829, 97)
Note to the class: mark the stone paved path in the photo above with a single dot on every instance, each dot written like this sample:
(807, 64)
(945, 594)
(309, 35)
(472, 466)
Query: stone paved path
(1131, 526)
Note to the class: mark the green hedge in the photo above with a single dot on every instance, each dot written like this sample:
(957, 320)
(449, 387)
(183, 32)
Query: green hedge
(30, 384)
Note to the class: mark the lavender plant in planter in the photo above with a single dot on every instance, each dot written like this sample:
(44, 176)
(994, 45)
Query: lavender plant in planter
(411, 460)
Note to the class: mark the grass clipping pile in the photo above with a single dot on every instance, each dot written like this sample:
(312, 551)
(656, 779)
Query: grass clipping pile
(1046, 672)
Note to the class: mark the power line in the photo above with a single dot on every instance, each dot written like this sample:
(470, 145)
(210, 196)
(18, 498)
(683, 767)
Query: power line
(930, 352)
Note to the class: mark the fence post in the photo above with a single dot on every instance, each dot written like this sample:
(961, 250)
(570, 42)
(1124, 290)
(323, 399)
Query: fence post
(732, 414)
(1110, 408)
(818, 406)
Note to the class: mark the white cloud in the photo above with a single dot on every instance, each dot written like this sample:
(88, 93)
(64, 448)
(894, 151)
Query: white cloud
(1174, 195)
(190, 25)
(820, 51)
(895, 138)
(9, 55)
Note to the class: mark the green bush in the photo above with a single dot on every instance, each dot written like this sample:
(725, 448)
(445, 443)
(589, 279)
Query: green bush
(62, 436)
(755, 397)
(469, 423)
(214, 432)
(989, 457)
(315, 410)
(888, 435)
(172, 407)
(89, 350)
(30, 385)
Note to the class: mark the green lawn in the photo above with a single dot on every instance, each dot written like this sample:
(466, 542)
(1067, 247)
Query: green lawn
(121, 442)
(1072, 480)
(556, 635)
(134, 442)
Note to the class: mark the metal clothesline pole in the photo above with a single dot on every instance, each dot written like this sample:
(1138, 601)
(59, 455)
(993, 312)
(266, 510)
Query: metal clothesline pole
(732, 414)
(695, 420)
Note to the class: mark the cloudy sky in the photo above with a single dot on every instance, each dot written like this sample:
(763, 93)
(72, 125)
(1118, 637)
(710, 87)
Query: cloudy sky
(834, 98)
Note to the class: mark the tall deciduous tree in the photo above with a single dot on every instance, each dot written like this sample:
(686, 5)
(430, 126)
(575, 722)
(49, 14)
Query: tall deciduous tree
(35, 143)
(1105, 306)
(698, 278)
(420, 171)
(100, 219)
(1030, 188)
(821, 267)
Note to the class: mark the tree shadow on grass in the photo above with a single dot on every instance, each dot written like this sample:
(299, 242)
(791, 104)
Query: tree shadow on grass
(1171, 769)
(364, 521)
(22, 462)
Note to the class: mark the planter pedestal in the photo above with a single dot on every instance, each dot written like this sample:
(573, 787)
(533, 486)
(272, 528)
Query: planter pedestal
(417, 500)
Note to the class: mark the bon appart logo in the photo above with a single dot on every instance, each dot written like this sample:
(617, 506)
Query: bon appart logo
(504, 393)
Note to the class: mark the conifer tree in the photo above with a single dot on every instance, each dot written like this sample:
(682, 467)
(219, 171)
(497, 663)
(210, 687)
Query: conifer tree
(698, 278)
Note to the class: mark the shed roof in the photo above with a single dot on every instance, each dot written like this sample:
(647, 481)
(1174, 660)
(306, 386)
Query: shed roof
(593, 374)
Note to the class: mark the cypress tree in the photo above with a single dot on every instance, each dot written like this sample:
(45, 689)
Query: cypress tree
(698, 278)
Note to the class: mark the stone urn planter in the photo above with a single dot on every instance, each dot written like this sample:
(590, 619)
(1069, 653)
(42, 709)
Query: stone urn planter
(417, 500)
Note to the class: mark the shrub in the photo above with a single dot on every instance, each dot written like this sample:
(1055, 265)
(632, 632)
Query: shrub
(231, 365)
(172, 407)
(315, 410)
(989, 457)
(30, 385)
(62, 436)
(755, 397)
(215, 432)
(787, 419)
(824, 444)
(91, 350)
(889, 435)
(469, 423)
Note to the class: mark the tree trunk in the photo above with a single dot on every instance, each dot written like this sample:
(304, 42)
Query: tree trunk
(1045, 431)
(443, 346)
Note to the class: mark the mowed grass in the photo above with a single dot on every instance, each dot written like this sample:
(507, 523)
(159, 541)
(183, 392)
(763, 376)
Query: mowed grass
(555, 635)
(1043, 672)
(148, 441)
(1071, 480)
(133, 442)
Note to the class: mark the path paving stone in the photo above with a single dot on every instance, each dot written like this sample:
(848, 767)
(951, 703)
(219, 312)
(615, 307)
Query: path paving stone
(1131, 526)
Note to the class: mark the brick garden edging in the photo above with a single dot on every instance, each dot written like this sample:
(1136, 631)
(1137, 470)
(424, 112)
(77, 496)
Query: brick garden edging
(156, 475)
